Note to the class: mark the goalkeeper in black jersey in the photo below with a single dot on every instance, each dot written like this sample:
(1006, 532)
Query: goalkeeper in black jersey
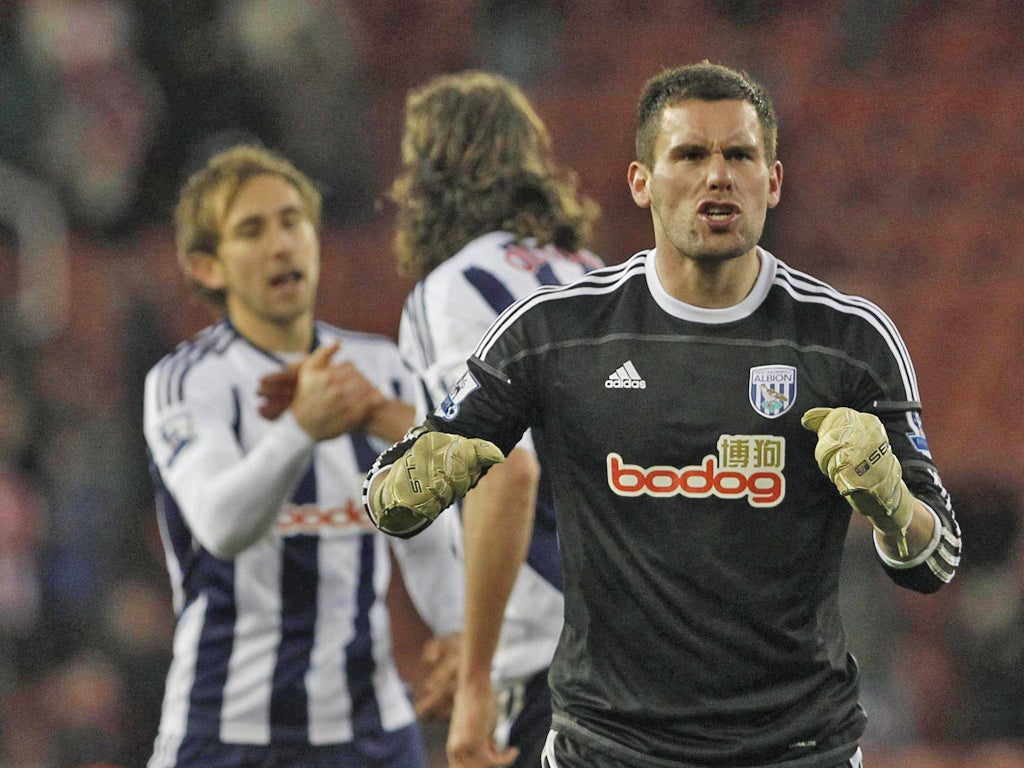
(709, 417)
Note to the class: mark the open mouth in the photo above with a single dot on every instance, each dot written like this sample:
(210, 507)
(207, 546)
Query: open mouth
(286, 278)
(718, 213)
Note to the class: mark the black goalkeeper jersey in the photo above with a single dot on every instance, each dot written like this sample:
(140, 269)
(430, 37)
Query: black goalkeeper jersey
(701, 543)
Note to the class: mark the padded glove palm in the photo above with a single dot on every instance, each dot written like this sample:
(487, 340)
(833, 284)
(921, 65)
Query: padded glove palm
(853, 451)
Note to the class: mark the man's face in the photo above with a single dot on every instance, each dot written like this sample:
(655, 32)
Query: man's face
(269, 256)
(709, 188)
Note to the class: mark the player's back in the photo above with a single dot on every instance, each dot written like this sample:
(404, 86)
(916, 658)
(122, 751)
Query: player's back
(443, 320)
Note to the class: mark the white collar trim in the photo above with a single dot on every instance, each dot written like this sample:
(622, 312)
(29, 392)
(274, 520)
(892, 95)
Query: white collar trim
(685, 311)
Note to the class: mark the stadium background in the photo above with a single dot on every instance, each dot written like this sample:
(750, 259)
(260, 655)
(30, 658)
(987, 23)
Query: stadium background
(900, 137)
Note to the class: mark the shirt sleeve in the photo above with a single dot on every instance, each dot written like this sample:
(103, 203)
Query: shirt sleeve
(938, 563)
(485, 403)
(889, 391)
(228, 499)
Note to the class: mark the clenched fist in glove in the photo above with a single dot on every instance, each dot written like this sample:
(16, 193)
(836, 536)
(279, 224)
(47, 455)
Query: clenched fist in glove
(853, 451)
(435, 471)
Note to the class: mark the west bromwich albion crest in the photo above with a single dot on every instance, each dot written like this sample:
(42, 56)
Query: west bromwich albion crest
(772, 389)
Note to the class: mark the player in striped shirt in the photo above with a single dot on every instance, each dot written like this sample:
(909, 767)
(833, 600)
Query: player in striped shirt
(487, 217)
(702, 508)
(282, 649)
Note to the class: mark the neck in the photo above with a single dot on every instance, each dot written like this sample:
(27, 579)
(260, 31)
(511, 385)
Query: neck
(295, 336)
(708, 283)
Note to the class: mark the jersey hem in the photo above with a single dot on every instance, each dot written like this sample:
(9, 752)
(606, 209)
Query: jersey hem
(565, 725)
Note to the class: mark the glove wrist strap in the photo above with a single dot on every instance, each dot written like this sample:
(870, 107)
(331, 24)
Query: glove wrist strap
(897, 523)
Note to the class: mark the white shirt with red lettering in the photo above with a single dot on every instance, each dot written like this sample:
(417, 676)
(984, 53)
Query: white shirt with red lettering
(278, 577)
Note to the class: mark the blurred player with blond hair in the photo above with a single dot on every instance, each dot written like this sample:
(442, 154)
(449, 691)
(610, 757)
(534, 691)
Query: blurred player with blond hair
(282, 648)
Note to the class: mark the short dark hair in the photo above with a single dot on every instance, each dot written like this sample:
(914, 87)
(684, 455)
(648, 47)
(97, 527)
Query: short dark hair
(707, 82)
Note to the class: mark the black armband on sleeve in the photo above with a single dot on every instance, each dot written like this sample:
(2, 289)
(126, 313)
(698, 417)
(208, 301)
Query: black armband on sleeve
(888, 407)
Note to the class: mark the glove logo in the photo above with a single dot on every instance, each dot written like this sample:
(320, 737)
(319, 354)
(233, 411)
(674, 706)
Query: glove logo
(872, 459)
(772, 389)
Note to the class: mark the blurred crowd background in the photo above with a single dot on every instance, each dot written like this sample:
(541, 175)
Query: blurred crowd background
(904, 181)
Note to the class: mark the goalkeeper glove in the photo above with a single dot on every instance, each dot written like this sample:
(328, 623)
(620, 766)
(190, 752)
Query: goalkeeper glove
(437, 469)
(854, 452)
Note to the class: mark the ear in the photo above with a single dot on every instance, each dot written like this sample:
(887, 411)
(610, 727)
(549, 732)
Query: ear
(638, 177)
(206, 269)
(774, 184)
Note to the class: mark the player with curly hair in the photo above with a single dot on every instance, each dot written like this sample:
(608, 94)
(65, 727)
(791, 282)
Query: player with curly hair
(485, 217)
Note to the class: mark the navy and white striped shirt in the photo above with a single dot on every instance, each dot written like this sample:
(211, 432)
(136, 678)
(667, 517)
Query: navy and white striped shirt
(444, 318)
(278, 579)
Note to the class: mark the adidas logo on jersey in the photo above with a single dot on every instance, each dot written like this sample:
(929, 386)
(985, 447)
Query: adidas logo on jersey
(626, 377)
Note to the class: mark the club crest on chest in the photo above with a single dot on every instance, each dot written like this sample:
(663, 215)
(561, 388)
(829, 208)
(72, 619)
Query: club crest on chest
(772, 389)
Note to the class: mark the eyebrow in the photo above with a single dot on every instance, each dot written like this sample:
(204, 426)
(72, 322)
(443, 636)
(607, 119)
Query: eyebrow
(259, 217)
(685, 148)
(692, 146)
